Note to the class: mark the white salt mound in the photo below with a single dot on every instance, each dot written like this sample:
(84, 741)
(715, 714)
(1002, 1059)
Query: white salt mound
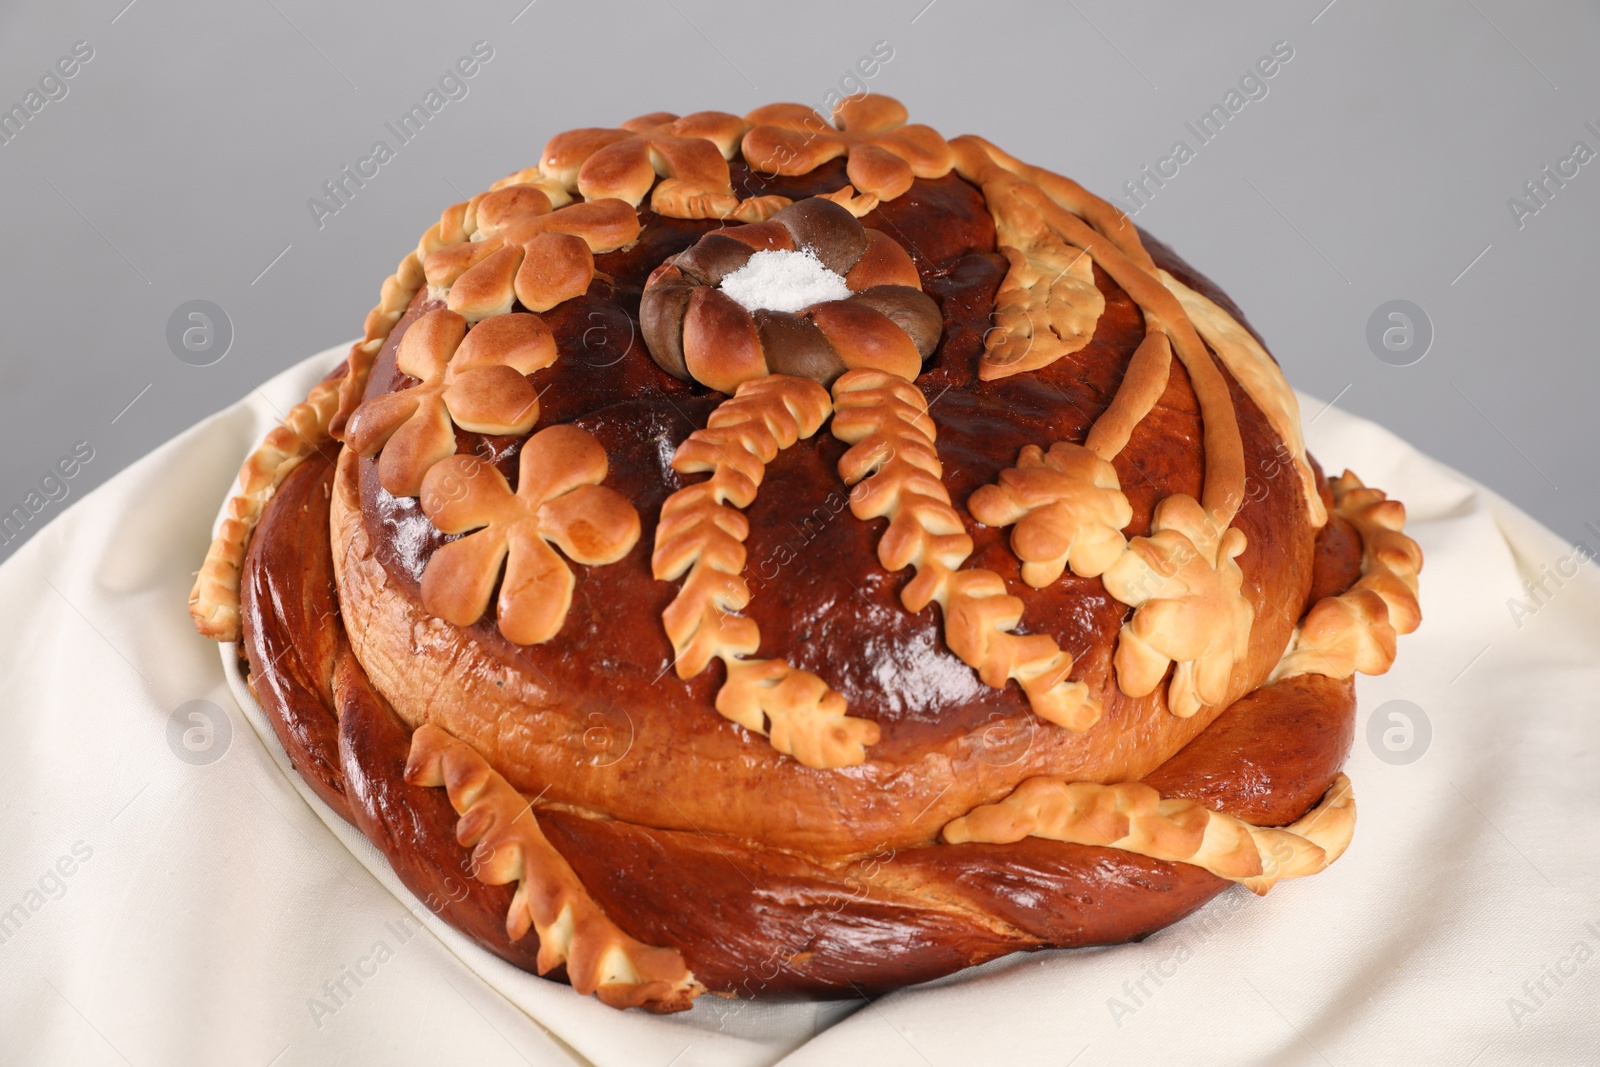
(781, 280)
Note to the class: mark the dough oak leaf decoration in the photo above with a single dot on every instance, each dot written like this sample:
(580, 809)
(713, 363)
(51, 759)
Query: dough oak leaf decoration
(1186, 591)
(1065, 508)
(558, 500)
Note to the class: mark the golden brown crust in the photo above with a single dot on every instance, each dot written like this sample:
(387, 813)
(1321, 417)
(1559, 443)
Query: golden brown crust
(885, 155)
(1224, 476)
(897, 915)
(897, 474)
(1064, 506)
(559, 501)
(476, 382)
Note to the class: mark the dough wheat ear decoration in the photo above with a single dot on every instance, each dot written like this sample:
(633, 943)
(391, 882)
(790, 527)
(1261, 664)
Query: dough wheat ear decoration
(214, 599)
(702, 532)
(896, 472)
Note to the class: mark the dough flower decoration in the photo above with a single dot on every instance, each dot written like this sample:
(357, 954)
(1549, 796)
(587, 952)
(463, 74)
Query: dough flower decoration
(1065, 508)
(558, 500)
(1185, 587)
(689, 154)
(884, 154)
(475, 381)
(514, 243)
(871, 313)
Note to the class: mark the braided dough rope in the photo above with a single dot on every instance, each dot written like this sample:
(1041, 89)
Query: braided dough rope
(396, 295)
(690, 155)
(214, 598)
(896, 472)
(701, 534)
(508, 846)
(1133, 817)
(1358, 629)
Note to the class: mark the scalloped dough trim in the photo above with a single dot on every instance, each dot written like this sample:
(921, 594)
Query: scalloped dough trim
(507, 845)
(214, 598)
(1358, 630)
(1134, 817)
(701, 533)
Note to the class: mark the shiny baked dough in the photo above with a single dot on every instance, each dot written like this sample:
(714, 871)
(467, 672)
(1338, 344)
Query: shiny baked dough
(558, 501)
(1048, 305)
(1065, 507)
(689, 155)
(884, 154)
(1259, 375)
(476, 381)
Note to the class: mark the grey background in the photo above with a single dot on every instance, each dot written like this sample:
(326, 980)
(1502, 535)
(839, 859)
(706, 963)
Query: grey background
(1378, 167)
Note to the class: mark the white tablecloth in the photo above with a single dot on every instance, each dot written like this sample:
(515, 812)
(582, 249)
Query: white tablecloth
(170, 893)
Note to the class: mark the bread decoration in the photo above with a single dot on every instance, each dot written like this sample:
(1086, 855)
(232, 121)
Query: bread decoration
(777, 556)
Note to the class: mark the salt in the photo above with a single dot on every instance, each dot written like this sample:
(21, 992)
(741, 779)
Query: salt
(781, 280)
